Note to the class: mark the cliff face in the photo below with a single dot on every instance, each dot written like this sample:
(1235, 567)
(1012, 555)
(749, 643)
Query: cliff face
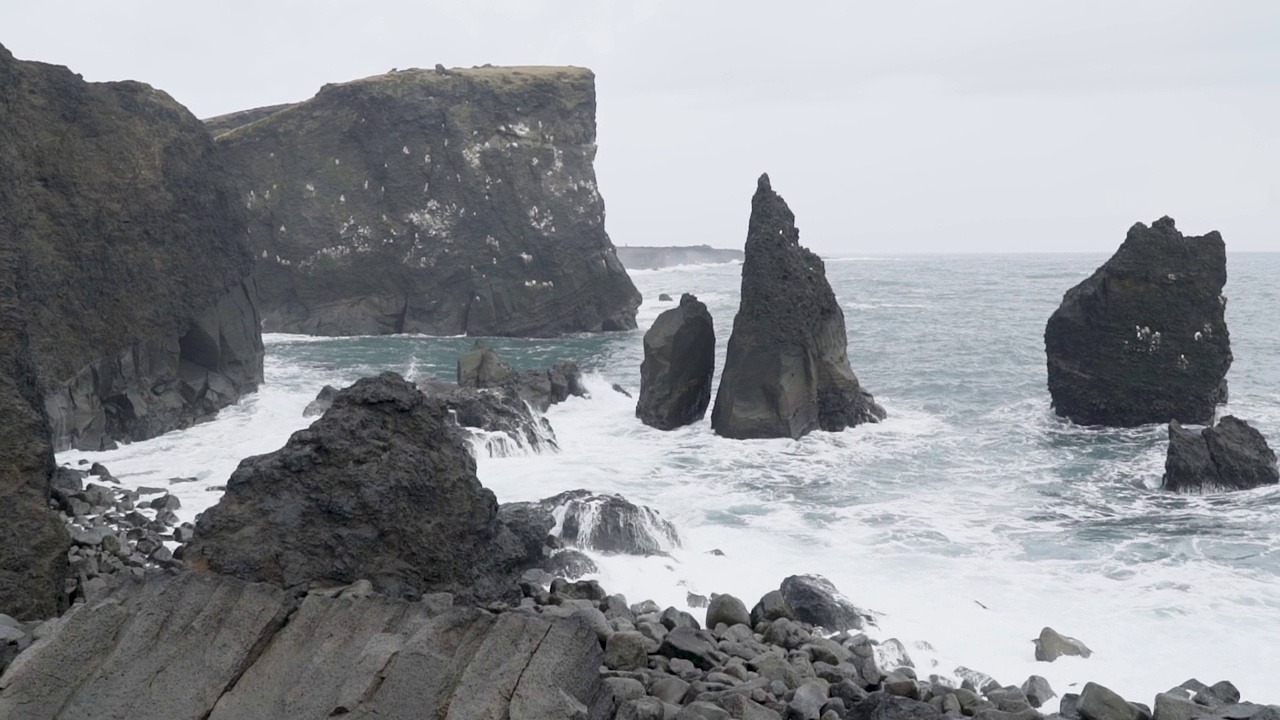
(430, 201)
(143, 318)
(1144, 339)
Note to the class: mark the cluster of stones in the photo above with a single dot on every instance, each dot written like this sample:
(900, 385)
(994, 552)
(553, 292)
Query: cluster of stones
(114, 531)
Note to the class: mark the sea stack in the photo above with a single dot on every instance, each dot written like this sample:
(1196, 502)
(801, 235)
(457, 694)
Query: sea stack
(679, 362)
(1228, 456)
(787, 370)
(1144, 339)
(420, 201)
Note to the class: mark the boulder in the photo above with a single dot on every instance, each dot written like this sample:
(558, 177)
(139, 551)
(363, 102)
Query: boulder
(1144, 339)
(323, 401)
(1052, 645)
(611, 524)
(456, 203)
(1228, 456)
(381, 487)
(727, 609)
(142, 314)
(679, 362)
(813, 599)
(1101, 703)
(787, 369)
(482, 368)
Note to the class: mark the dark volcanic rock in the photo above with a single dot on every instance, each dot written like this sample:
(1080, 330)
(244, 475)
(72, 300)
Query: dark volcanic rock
(787, 369)
(144, 316)
(816, 601)
(1229, 456)
(1052, 645)
(679, 362)
(323, 401)
(611, 524)
(482, 368)
(507, 425)
(33, 539)
(381, 487)
(440, 203)
(1144, 339)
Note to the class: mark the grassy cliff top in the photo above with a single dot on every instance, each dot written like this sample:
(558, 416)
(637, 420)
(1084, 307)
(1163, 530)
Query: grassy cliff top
(515, 80)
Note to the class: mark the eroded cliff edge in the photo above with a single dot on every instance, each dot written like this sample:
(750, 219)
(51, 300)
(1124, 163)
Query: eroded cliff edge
(141, 310)
(432, 201)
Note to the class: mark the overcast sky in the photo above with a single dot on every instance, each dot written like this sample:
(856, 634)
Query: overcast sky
(889, 127)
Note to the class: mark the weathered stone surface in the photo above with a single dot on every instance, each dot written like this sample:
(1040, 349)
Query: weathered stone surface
(1144, 339)
(727, 609)
(1052, 645)
(1228, 456)
(611, 524)
(182, 639)
(883, 706)
(33, 540)
(1100, 703)
(144, 318)
(679, 362)
(381, 487)
(813, 599)
(1037, 690)
(482, 368)
(200, 645)
(626, 651)
(787, 369)
(323, 401)
(441, 203)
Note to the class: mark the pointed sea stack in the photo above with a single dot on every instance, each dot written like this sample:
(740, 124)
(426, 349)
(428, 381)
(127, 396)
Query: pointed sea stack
(679, 362)
(787, 371)
(1144, 339)
(1228, 456)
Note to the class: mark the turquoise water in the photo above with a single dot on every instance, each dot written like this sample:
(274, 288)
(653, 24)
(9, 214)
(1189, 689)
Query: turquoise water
(970, 518)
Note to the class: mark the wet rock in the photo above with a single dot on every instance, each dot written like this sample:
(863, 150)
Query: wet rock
(1037, 690)
(1228, 456)
(496, 417)
(686, 644)
(1051, 645)
(727, 609)
(884, 706)
(664, 297)
(570, 564)
(813, 599)
(626, 651)
(1100, 703)
(611, 524)
(1144, 339)
(324, 399)
(787, 369)
(679, 362)
(482, 368)
(695, 600)
(771, 607)
(1218, 694)
(1172, 707)
(298, 516)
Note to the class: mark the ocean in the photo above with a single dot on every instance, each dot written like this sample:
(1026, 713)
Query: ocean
(968, 520)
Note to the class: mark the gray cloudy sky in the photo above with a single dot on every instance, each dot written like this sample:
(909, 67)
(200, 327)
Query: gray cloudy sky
(903, 126)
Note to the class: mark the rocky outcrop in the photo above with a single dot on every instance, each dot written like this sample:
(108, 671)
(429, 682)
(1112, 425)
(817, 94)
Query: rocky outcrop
(541, 388)
(679, 363)
(1228, 456)
(498, 419)
(1052, 645)
(204, 646)
(429, 201)
(144, 316)
(815, 600)
(640, 257)
(610, 524)
(787, 369)
(1144, 339)
(382, 487)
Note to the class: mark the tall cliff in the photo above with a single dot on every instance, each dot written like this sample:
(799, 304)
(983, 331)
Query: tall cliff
(141, 310)
(432, 201)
